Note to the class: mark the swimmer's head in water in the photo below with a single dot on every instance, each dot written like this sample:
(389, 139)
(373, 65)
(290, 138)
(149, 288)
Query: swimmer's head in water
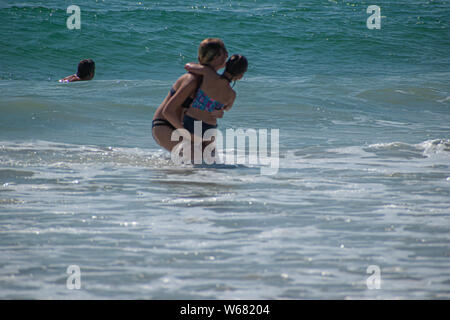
(236, 66)
(86, 69)
(210, 49)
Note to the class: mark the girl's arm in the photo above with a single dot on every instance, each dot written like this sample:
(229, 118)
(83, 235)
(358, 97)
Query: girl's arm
(231, 101)
(201, 70)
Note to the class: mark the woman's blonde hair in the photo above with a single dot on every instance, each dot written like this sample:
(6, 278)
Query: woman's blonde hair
(209, 49)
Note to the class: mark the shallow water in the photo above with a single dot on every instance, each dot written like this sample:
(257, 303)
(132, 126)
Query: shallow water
(364, 154)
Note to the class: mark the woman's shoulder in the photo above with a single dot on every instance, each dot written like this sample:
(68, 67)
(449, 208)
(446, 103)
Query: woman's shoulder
(186, 79)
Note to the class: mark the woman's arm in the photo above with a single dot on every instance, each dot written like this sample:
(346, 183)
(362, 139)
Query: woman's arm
(172, 110)
(71, 78)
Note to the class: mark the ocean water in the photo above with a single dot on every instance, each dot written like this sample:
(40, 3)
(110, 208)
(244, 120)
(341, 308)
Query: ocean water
(364, 153)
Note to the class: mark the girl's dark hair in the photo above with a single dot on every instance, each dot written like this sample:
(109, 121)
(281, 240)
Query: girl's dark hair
(236, 65)
(85, 68)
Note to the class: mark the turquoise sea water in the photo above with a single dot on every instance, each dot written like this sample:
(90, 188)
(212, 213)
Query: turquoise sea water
(364, 177)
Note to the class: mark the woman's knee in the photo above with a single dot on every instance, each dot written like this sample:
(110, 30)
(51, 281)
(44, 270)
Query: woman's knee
(162, 136)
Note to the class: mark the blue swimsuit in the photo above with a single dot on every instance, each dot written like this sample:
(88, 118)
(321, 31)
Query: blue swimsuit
(202, 102)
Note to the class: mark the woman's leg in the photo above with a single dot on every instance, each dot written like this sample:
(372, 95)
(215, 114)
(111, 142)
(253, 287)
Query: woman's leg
(162, 135)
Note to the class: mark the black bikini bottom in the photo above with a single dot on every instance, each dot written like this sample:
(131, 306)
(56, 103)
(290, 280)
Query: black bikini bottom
(188, 123)
(162, 122)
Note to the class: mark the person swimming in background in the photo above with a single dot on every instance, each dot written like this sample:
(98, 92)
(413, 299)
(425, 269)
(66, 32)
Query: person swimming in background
(86, 71)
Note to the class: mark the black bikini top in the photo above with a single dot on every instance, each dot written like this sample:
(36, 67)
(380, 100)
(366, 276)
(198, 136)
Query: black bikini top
(187, 103)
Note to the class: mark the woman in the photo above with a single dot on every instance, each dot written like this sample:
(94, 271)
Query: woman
(168, 117)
